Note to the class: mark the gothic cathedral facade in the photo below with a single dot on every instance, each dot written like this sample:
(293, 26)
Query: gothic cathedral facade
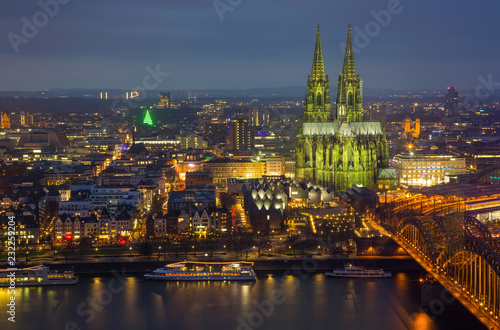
(340, 152)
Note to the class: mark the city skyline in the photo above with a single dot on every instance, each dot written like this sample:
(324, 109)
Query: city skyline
(237, 44)
(244, 152)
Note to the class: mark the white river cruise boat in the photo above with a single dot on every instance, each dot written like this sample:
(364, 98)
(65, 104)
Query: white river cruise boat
(354, 271)
(36, 276)
(205, 271)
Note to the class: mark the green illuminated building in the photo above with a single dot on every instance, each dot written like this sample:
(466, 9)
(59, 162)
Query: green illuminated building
(147, 119)
(340, 152)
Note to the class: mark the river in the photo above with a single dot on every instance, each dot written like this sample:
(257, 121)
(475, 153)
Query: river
(307, 300)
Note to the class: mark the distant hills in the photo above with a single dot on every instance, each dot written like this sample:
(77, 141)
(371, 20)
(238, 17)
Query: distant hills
(89, 99)
(286, 91)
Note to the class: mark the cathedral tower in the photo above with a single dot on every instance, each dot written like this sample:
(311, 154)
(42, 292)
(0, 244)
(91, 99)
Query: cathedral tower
(317, 104)
(345, 151)
(350, 88)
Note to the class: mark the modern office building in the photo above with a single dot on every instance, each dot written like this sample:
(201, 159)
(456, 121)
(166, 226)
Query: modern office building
(225, 168)
(258, 117)
(480, 155)
(451, 102)
(427, 169)
(275, 165)
(240, 137)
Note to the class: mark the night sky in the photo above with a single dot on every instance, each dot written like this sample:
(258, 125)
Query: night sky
(427, 44)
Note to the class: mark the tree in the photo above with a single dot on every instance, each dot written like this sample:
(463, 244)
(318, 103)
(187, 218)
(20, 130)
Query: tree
(146, 248)
(184, 243)
(305, 244)
(165, 245)
(157, 204)
(170, 175)
(176, 248)
(3, 236)
(261, 241)
(69, 248)
(194, 239)
(246, 241)
(139, 216)
(232, 241)
(56, 250)
(84, 245)
(211, 243)
(227, 200)
(291, 242)
(52, 212)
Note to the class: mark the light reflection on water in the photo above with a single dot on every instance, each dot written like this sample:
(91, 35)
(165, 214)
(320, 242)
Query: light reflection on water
(422, 321)
(275, 301)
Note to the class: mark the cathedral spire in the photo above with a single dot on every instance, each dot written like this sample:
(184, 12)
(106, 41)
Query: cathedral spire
(350, 88)
(349, 70)
(317, 104)
(345, 151)
(318, 69)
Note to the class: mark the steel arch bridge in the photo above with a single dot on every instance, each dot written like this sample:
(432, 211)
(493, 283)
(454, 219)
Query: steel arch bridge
(462, 251)
(490, 175)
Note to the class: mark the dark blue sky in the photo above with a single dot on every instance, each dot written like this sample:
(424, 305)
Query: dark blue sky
(428, 44)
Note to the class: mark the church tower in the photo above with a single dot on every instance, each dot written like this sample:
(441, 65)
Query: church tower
(317, 104)
(5, 120)
(346, 151)
(350, 88)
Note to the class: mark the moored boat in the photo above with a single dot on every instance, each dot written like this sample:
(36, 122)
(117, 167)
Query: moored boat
(356, 271)
(36, 276)
(205, 271)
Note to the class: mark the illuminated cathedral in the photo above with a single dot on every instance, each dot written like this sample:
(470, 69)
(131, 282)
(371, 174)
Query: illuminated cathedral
(340, 152)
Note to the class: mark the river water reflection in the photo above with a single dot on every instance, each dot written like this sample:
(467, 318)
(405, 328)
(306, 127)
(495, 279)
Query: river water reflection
(274, 301)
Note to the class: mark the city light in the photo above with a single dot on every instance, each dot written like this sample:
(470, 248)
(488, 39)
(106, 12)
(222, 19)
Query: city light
(210, 175)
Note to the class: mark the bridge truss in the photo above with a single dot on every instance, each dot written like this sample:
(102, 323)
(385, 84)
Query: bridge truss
(461, 249)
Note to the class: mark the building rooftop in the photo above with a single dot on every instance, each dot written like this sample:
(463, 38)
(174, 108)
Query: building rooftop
(461, 190)
(228, 160)
(198, 196)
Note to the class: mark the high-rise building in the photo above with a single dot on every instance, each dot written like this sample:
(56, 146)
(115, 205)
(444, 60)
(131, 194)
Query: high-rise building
(165, 99)
(215, 129)
(258, 117)
(21, 119)
(240, 137)
(345, 151)
(451, 102)
(191, 141)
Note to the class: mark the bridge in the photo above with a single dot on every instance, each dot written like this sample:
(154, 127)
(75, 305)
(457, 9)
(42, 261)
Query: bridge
(461, 254)
(479, 195)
